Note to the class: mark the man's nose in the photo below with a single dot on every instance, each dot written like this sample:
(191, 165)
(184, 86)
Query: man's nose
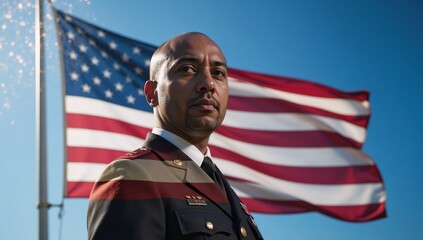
(206, 82)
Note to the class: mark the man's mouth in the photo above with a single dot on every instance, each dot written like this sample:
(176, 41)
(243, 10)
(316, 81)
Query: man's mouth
(205, 104)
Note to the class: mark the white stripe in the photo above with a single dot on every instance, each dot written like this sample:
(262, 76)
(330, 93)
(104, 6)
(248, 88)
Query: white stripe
(272, 188)
(342, 194)
(340, 106)
(300, 157)
(295, 157)
(80, 137)
(293, 122)
(84, 172)
(95, 107)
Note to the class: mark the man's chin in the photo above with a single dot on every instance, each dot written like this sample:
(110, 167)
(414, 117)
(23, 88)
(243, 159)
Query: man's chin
(203, 125)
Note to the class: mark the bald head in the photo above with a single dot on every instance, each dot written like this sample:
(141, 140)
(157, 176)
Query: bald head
(170, 49)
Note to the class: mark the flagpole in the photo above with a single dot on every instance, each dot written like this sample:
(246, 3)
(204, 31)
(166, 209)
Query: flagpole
(41, 156)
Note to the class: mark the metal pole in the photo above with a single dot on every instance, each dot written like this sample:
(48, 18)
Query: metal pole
(41, 156)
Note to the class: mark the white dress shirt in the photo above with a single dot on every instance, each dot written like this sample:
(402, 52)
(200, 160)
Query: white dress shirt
(190, 150)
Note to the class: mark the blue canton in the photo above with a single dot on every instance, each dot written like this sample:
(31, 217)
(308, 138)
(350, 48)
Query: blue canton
(103, 65)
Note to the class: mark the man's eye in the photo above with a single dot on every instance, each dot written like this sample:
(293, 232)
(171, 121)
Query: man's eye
(219, 73)
(187, 69)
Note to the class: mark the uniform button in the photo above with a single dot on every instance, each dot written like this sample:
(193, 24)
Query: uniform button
(209, 225)
(243, 232)
(177, 162)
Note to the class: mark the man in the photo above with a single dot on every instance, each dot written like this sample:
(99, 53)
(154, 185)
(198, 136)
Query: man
(161, 191)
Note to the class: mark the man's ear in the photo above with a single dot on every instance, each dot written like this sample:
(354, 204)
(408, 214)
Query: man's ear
(150, 92)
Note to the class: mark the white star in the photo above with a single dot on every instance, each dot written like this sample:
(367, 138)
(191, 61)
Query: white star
(119, 86)
(70, 35)
(108, 93)
(136, 50)
(140, 91)
(68, 18)
(106, 73)
(91, 42)
(73, 55)
(116, 66)
(85, 68)
(96, 80)
(104, 54)
(113, 45)
(78, 30)
(86, 88)
(128, 79)
(138, 70)
(74, 76)
(101, 34)
(147, 62)
(83, 48)
(125, 57)
(130, 99)
(95, 61)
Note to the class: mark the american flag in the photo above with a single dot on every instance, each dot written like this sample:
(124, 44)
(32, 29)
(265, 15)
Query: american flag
(286, 145)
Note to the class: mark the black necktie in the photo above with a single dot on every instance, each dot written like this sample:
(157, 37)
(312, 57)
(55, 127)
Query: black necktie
(211, 170)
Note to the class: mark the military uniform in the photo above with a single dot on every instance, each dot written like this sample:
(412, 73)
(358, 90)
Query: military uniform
(157, 192)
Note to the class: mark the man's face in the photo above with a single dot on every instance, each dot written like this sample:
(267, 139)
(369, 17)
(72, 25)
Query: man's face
(192, 87)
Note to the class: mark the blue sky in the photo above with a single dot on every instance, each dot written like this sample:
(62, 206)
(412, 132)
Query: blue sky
(350, 45)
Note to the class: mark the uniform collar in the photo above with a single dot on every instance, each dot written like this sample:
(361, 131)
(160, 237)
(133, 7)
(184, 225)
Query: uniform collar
(190, 150)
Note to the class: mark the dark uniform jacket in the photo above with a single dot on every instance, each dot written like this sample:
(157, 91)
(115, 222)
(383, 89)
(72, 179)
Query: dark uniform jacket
(158, 193)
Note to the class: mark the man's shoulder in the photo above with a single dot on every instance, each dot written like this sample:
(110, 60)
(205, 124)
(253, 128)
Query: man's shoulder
(130, 166)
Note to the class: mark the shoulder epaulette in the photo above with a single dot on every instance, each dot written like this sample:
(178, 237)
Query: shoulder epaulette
(136, 153)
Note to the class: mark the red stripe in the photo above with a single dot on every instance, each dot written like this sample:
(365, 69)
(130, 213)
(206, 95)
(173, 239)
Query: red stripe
(294, 139)
(355, 213)
(105, 124)
(312, 175)
(92, 155)
(271, 105)
(295, 85)
(78, 189)
(129, 190)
